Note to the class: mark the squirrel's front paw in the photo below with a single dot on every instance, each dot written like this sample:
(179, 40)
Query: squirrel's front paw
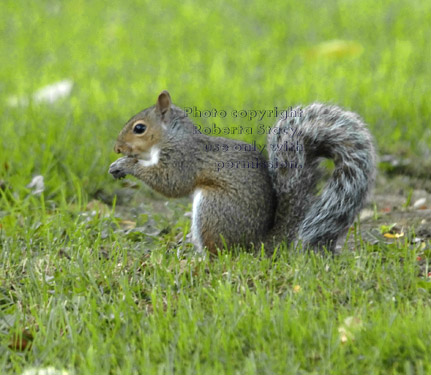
(122, 167)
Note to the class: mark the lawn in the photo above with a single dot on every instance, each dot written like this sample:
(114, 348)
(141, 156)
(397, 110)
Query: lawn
(96, 276)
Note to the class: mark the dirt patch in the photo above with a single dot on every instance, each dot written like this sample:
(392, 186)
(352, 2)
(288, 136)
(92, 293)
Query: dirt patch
(399, 201)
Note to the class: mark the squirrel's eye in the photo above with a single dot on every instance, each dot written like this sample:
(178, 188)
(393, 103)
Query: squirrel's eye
(139, 128)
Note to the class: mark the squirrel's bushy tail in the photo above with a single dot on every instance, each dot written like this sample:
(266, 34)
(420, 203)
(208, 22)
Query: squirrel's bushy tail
(296, 146)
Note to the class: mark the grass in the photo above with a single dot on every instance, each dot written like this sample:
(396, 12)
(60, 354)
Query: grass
(97, 301)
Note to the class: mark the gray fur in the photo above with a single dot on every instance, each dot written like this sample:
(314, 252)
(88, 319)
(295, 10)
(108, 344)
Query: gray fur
(327, 132)
(269, 203)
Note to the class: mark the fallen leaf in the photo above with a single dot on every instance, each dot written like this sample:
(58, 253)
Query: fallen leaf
(45, 371)
(296, 288)
(99, 207)
(47, 94)
(350, 327)
(127, 224)
(37, 185)
(336, 49)
(387, 228)
(22, 341)
(365, 214)
(420, 203)
(395, 235)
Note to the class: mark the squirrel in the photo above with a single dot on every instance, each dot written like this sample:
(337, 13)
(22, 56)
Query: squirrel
(242, 198)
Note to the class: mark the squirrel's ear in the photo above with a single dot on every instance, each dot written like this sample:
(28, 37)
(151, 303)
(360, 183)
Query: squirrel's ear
(163, 102)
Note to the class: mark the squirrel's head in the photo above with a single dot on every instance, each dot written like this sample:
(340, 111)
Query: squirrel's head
(146, 129)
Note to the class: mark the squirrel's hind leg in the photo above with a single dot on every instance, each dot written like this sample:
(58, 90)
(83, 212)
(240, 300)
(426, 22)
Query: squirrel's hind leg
(211, 228)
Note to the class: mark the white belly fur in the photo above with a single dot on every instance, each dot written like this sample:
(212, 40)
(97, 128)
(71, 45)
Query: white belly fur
(153, 159)
(196, 234)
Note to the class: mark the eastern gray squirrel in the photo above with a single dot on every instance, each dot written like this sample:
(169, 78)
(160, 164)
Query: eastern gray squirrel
(254, 201)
